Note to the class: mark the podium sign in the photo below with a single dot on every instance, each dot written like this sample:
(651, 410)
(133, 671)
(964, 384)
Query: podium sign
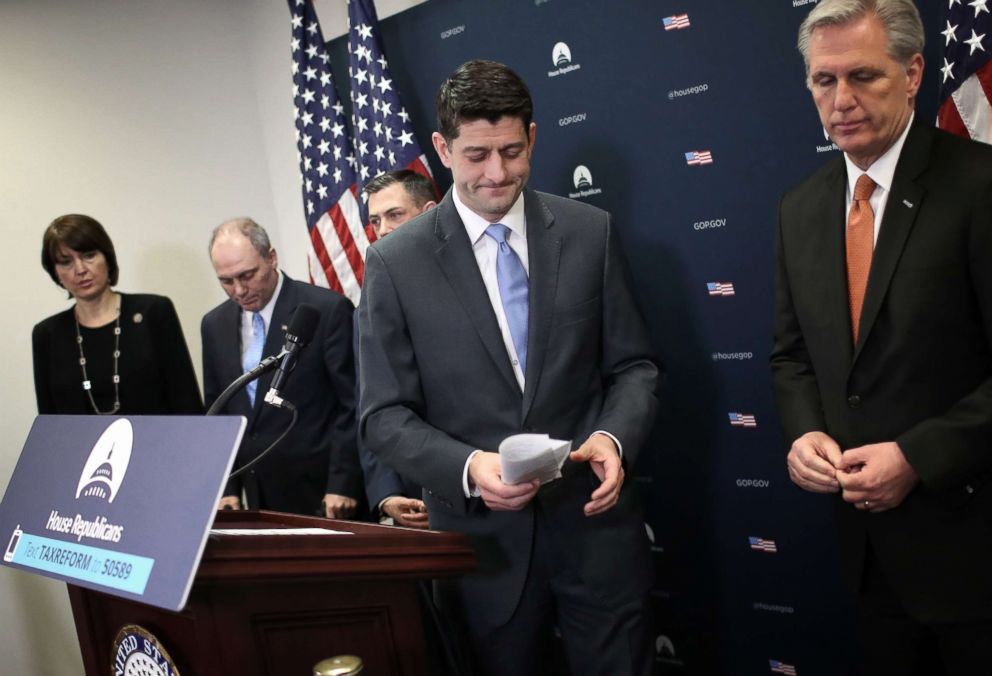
(121, 505)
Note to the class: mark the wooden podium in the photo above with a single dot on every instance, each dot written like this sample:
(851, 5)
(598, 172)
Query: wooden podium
(275, 605)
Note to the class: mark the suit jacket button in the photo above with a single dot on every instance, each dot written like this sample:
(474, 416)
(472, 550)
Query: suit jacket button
(969, 489)
(854, 401)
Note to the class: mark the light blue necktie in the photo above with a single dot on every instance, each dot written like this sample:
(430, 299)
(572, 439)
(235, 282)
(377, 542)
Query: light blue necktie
(253, 354)
(512, 280)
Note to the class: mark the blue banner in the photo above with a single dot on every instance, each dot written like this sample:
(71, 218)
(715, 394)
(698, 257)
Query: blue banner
(104, 567)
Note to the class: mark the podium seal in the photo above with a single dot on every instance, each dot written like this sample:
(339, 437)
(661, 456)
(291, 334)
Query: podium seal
(136, 652)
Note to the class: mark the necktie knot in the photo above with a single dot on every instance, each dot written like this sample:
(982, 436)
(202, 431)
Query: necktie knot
(863, 188)
(498, 232)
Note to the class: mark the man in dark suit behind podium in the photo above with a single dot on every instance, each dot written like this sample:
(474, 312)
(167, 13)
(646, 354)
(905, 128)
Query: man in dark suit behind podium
(882, 362)
(394, 198)
(500, 311)
(315, 469)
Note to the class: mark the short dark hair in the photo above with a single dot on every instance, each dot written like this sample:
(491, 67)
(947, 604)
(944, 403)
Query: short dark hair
(80, 233)
(419, 187)
(481, 90)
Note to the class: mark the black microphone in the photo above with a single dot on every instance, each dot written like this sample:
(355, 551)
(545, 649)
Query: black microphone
(301, 329)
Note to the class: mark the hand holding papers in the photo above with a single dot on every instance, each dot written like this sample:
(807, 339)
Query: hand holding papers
(525, 457)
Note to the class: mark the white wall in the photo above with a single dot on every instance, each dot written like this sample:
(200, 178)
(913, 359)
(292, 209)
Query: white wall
(160, 119)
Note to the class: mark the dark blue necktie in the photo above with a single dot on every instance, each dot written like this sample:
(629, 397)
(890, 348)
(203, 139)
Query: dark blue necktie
(512, 280)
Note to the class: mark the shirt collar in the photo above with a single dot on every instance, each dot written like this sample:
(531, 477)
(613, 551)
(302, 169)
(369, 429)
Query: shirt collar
(883, 169)
(475, 225)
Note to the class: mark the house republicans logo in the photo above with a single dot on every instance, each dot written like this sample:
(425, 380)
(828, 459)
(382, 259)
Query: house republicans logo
(136, 652)
(561, 57)
(582, 180)
(829, 147)
(105, 468)
(664, 651)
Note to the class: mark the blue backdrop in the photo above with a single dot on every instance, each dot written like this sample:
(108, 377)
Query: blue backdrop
(617, 111)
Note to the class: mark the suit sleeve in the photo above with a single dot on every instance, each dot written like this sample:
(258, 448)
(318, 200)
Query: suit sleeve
(630, 374)
(953, 450)
(380, 481)
(42, 357)
(392, 402)
(344, 476)
(178, 379)
(793, 377)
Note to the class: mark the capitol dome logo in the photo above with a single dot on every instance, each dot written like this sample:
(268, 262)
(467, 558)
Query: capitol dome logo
(664, 646)
(105, 468)
(582, 178)
(561, 57)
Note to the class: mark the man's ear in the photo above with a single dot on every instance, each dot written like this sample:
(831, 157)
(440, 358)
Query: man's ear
(441, 147)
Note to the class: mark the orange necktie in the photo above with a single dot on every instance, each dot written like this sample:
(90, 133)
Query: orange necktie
(860, 242)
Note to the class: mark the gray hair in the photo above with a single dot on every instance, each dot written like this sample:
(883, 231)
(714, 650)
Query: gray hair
(253, 231)
(901, 19)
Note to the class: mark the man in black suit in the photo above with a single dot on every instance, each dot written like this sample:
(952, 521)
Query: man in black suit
(882, 362)
(315, 469)
(501, 311)
(394, 198)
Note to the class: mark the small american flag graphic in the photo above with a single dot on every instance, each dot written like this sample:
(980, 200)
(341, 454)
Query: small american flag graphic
(742, 420)
(763, 545)
(781, 668)
(694, 157)
(676, 22)
(720, 288)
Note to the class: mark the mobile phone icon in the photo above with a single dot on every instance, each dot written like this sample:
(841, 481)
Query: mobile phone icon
(15, 540)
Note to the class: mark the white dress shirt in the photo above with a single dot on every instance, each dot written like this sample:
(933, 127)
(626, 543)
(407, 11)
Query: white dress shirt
(486, 249)
(266, 312)
(881, 172)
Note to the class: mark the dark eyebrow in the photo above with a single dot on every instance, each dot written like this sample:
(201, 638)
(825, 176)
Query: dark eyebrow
(508, 146)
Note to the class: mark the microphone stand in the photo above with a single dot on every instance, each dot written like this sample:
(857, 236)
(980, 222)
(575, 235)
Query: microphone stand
(236, 386)
(264, 366)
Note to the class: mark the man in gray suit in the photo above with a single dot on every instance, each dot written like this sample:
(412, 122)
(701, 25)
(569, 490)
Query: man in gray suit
(503, 311)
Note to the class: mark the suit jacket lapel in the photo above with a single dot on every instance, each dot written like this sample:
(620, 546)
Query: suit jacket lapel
(900, 212)
(829, 224)
(544, 252)
(457, 260)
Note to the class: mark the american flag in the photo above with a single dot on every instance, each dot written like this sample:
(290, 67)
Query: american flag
(763, 545)
(676, 22)
(338, 240)
(720, 288)
(966, 73)
(781, 668)
(698, 157)
(383, 134)
(742, 420)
